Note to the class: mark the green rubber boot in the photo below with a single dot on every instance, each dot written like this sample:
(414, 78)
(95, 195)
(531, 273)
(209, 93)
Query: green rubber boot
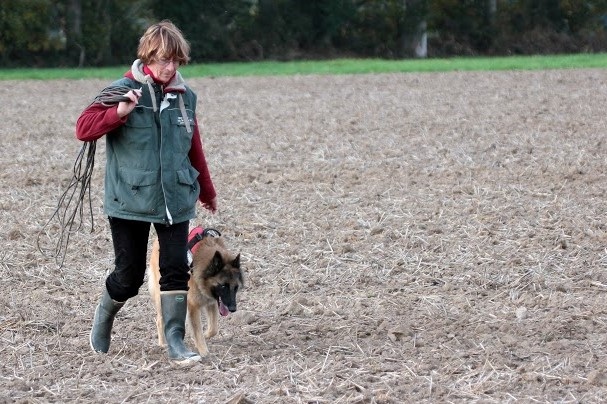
(174, 309)
(101, 333)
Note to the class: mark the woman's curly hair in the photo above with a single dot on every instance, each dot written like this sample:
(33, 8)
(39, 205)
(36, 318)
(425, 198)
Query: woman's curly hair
(163, 41)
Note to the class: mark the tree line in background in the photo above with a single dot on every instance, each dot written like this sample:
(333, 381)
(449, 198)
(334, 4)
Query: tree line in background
(47, 33)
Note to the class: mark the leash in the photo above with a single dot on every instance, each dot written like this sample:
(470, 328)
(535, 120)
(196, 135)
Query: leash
(70, 207)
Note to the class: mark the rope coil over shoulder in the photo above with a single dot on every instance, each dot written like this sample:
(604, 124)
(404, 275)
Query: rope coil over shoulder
(70, 207)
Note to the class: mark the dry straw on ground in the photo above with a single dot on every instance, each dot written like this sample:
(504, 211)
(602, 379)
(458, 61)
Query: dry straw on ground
(406, 238)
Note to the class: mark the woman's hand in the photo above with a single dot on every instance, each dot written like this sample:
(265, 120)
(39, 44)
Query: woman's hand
(125, 107)
(211, 205)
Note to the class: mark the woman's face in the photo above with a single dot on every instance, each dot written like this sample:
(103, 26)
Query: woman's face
(163, 69)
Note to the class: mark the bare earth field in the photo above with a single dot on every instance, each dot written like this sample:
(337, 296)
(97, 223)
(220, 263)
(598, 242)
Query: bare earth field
(406, 238)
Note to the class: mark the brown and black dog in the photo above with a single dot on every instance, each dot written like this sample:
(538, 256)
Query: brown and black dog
(214, 282)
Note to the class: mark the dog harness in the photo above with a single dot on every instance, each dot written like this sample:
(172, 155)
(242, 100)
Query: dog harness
(196, 235)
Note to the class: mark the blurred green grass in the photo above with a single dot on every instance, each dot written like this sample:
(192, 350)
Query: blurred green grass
(335, 66)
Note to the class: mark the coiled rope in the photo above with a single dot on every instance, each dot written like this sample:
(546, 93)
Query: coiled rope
(70, 207)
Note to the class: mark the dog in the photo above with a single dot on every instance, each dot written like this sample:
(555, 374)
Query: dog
(215, 279)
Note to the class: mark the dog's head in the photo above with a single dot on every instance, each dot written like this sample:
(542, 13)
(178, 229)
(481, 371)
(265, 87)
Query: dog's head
(224, 277)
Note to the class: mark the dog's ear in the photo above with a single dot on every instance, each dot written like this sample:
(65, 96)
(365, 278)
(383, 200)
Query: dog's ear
(236, 262)
(215, 266)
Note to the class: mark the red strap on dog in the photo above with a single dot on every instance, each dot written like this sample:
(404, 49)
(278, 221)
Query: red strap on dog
(196, 234)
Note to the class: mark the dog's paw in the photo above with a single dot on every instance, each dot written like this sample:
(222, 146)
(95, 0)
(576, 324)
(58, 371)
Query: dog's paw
(203, 351)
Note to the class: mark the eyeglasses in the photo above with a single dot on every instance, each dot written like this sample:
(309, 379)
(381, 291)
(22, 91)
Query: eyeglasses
(166, 62)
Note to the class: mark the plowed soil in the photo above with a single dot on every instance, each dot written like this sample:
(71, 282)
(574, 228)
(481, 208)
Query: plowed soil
(434, 237)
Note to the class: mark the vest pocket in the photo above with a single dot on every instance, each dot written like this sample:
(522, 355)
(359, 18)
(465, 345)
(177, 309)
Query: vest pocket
(139, 132)
(189, 189)
(139, 191)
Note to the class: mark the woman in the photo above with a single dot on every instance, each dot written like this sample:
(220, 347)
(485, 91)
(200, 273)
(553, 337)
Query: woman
(155, 172)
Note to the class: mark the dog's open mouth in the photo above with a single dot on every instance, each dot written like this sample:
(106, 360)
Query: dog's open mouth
(223, 310)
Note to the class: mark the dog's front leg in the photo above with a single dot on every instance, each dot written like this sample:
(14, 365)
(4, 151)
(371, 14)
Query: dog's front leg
(159, 322)
(160, 329)
(212, 320)
(196, 329)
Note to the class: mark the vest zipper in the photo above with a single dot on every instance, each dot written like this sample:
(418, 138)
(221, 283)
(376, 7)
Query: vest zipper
(163, 105)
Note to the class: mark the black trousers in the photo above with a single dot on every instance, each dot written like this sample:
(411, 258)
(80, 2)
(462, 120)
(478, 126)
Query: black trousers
(130, 240)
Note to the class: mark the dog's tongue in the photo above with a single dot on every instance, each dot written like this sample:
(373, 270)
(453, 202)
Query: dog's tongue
(223, 310)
